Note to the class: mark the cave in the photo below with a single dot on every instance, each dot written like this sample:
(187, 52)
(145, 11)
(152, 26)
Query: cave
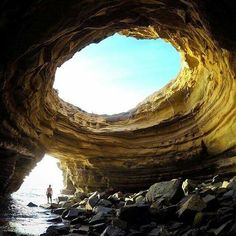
(186, 129)
(119, 72)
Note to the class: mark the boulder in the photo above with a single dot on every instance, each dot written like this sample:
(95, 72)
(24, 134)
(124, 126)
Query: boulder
(58, 229)
(224, 214)
(105, 210)
(129, 201)
(104, 202)
(188, 185)
(55, 220)
(98, 228)
(84, 229)
(116, 222)
(164, 213)
(135, 233)
(31, 204)
(198, 219)
(116, 197)
(159, 231)
(190, 206)
(225, 184)
(74, 212)
(100, 217)
(221, 229)
(134, 213)
(171, 191)
(147, 228)
(82, 219)
(92, 201)
(232, 183)
(140, 199)
(67, 204)
(113, 231)
(83, 202)
(232, 230)
(62, 198)
(210, 200)
(58, 211)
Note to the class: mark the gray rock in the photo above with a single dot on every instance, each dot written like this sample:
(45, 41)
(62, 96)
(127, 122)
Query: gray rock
(134, 213)
(98, 228)
(83, 202)
(171, 191)
(209, 199)
(113, 231)
(84, 229)
(159, 231)
(100, 217)
(116, 197)
(62, 198)
(104, 202)
(31, 204)
(224, 214)
(141, 193)
(67, 204)
(188, 185)
(105, 210)
(193, 232)
(74, 212)
(232, 231)
(220, 229)
(206, 191)
(147, 228)
(135, 233)
(229, 194)
(120, 204)
(198, 219)
(58, 211)
(232, 183)
(129, 201)
(58, 229)
(121, 224)
(164, 213)
(140, 199)
(192, 204)
(82, 219)
(92, 201)
(55, 220)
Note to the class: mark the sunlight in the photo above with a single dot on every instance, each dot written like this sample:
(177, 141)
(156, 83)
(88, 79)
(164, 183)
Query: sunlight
(34, 186)
(116, 74)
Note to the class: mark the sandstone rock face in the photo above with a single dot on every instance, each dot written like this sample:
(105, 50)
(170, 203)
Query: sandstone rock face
(188, 128)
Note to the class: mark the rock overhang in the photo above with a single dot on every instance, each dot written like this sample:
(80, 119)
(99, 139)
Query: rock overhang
(187, 128)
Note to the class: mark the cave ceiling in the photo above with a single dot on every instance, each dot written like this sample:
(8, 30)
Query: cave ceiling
(188, 128)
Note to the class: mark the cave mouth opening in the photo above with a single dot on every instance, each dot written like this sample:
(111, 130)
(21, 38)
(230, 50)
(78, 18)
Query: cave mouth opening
(35, 184)
(116, 74)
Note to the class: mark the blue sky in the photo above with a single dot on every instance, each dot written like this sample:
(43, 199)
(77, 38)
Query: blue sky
(116, 74)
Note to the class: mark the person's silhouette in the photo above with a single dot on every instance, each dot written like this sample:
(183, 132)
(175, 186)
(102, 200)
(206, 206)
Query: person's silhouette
(49, 193)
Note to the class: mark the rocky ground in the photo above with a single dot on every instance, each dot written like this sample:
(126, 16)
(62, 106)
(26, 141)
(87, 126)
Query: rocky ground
(176, 207)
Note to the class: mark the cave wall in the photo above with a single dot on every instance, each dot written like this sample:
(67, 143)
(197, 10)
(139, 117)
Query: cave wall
(185, 129)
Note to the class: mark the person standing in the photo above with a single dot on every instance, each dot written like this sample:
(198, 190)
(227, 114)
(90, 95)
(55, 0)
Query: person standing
(49, 193)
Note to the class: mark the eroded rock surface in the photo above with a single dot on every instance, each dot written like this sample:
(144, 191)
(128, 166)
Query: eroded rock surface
(186, 129)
